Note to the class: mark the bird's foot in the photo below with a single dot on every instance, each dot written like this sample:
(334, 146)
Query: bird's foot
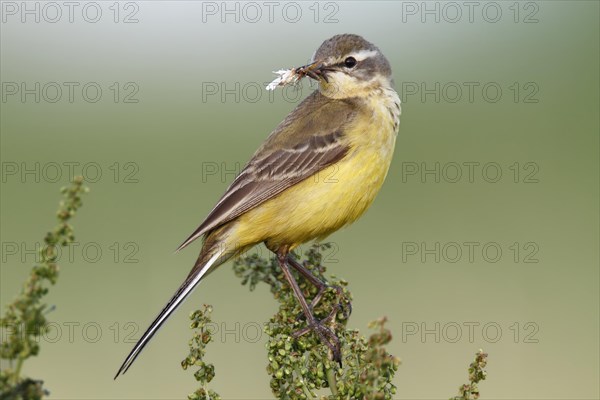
(343, 303)
(325, 333)
(326, 336)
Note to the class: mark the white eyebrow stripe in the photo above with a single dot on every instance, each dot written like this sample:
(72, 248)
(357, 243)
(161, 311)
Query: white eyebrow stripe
(361, 55)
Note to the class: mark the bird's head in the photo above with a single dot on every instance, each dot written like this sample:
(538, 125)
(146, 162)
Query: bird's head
(349, 66)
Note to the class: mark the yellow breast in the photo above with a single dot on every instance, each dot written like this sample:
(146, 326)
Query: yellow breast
(338, 194)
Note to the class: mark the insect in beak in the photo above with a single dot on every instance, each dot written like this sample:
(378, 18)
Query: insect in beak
(291, 76)
(314, 71)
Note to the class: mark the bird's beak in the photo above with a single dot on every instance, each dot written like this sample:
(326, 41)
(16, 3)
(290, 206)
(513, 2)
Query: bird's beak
(316, 70)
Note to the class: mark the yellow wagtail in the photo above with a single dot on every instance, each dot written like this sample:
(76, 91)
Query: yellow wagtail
(345, 130)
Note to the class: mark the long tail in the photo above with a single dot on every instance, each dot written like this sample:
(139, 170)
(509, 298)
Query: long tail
(184, 290)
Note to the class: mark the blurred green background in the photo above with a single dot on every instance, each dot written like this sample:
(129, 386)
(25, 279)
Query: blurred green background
(507, 87)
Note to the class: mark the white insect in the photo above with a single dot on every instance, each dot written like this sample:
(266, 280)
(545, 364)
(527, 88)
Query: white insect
(286, 76)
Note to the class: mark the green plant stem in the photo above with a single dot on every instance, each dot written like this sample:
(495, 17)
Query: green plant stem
(26, 313)
(332, 381)
(17, 371)
(368, 368)
(305, 389)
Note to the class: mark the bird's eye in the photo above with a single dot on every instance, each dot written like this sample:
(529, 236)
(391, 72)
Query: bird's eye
(350, 62)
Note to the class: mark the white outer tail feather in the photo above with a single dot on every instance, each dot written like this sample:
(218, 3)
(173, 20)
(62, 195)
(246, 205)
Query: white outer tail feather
(184, 290)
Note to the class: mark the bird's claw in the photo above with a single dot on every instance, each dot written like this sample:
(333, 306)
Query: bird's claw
(343, 304)
(326, 336)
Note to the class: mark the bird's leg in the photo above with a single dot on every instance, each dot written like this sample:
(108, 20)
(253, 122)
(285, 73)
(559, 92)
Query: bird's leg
(322, 286)
(325, 334)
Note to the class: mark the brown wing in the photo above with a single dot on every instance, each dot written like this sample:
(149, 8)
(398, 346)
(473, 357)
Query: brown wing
(307, 141)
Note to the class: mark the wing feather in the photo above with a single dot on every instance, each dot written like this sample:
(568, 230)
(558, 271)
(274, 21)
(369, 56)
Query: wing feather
(297, 149)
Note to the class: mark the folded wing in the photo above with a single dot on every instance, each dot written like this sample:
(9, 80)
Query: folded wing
(308, 140)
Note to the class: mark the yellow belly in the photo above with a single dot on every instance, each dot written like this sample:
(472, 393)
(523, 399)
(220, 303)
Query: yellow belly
(323, 203)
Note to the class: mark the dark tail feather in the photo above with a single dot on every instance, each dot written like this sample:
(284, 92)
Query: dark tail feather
(184, 290)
